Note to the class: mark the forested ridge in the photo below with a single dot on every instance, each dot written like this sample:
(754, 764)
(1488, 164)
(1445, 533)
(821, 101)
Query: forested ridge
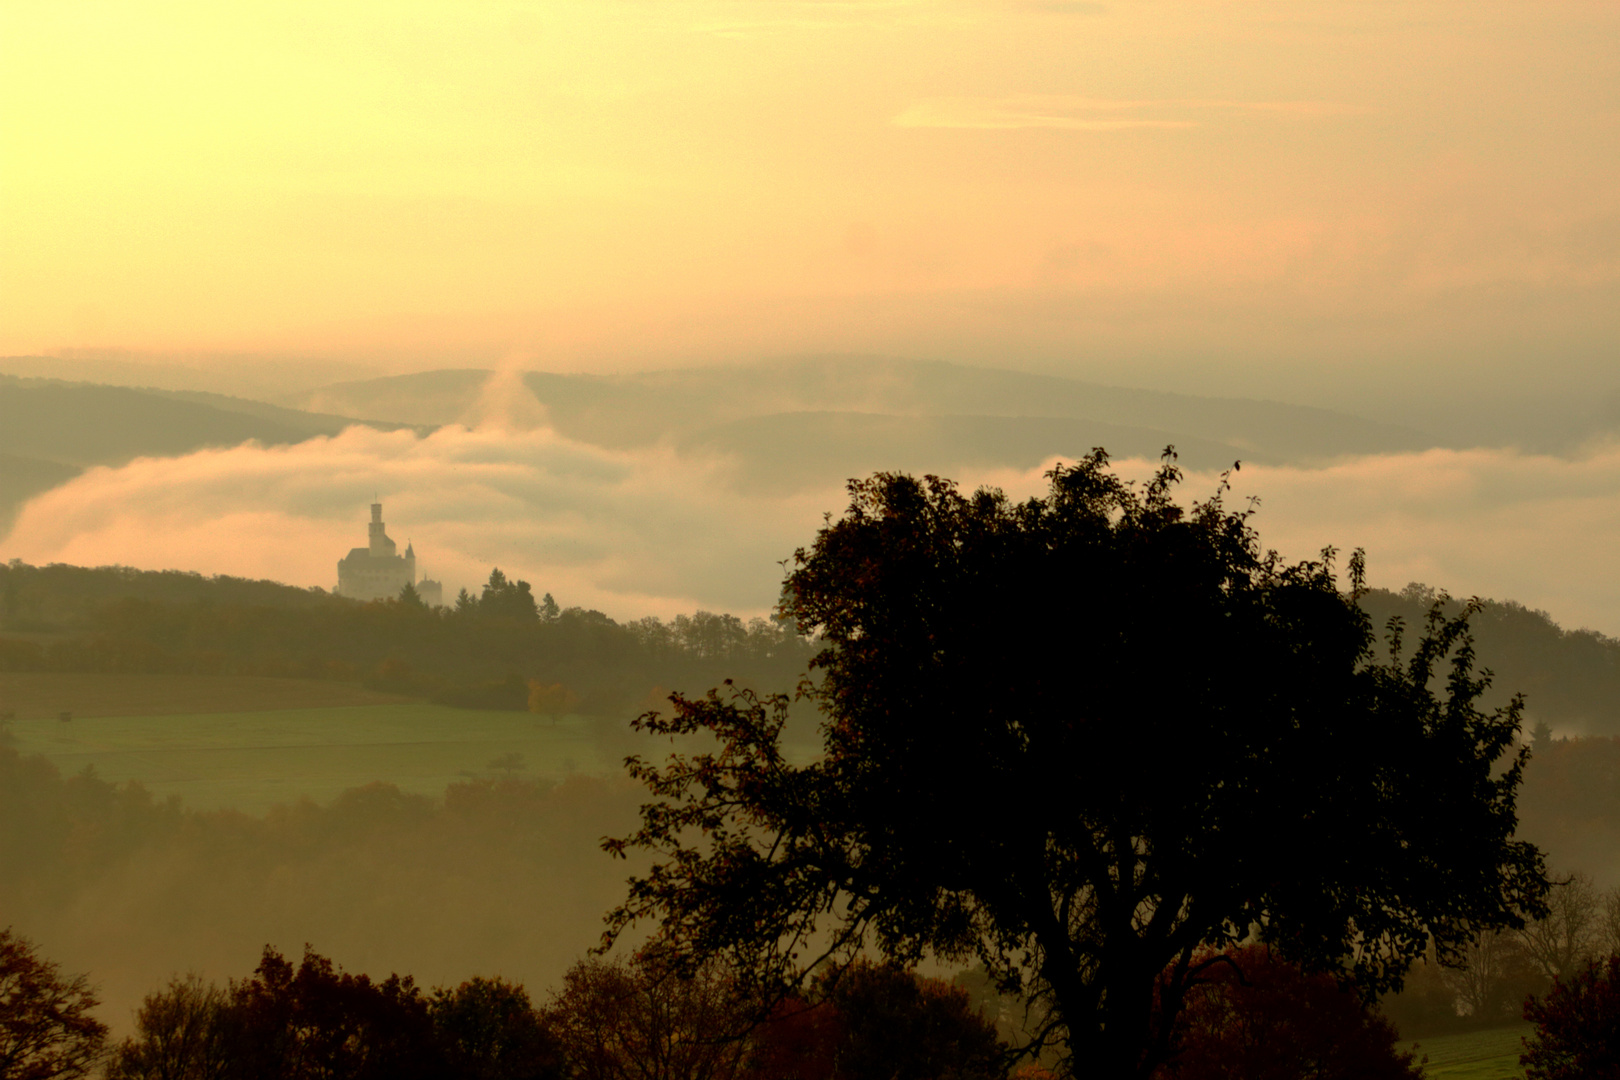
(67, 618)
(501, 649)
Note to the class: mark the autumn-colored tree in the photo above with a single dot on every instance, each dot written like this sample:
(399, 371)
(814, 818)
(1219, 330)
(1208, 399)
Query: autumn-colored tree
(46, 1030)
(182, 1032)
(1577, 1027)
(797, 1040)
(551, 699)
(634, 1019)
(877, 1022)
(1255, 1017)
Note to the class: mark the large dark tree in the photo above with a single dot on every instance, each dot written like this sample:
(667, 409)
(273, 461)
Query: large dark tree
(1079, 738)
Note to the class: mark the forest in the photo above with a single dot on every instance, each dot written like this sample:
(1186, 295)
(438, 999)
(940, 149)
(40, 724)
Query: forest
(116, 619)
(490, 650)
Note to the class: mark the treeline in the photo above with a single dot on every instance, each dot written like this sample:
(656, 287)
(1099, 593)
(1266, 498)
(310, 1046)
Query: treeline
(500, 649)
(609, 1020)
(641, 1017)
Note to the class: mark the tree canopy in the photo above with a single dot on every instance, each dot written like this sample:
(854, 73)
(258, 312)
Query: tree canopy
(1081, 738)
(47, 1027)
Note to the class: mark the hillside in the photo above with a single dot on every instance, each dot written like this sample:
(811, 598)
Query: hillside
(115, 620)
(1570, 678)
(793, 421)
(50, 430)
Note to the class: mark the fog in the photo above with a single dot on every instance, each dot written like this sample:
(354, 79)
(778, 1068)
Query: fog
(653, 531)
(617, 296)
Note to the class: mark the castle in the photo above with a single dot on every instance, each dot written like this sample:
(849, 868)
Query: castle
(377, 573)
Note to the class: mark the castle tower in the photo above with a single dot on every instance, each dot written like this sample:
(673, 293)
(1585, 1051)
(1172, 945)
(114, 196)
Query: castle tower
(381, 546)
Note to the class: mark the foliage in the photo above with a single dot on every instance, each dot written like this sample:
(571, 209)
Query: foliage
(1171, 736)
(488, 1030)
(896, 1025)
(47, 1031)
(315, 1021)
(503, 599)
(1571, 678)
(1256, 1017)
(1576, 1027)
(634, 1019)
(182, 1032)
(482, 653)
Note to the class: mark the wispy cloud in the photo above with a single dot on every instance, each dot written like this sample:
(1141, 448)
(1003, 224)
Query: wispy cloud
(1072, 113)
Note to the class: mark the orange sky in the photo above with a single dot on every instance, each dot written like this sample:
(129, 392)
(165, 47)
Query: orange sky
(618, 183)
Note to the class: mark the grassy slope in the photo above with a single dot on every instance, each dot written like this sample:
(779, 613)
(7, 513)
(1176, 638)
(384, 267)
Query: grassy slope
(1477, 1055)
(251, 761)
(30, 695)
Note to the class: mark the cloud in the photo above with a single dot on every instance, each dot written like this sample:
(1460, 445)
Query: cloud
(1496, 523)
(630, 534)
(1071, 113)
(651, 532)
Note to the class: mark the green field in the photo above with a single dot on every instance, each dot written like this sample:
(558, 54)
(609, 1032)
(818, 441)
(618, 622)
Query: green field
(1477, 1055)
(251, 761)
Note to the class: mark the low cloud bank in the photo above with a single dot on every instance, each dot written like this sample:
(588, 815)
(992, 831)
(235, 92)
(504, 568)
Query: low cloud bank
(1496, 523)
(655, 533)
(632, 535)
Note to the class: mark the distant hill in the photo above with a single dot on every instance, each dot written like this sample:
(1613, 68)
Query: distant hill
(1570, 678)
(51, 430)
(790, 422)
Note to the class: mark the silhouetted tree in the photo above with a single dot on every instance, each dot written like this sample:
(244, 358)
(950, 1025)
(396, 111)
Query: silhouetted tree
(1576, 1026)
(507, 599)
(897, 1025)
(633, 1019)
(488, 1030)
(1172, 736)
(46, 1030)
(1567, 938)
(1490, 977)
(314, 1022)
(1256, 1017)
(182, 1032)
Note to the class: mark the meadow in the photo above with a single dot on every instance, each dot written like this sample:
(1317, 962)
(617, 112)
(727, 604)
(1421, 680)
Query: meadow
(253, 760)
(1474, 1055)
(26, 695)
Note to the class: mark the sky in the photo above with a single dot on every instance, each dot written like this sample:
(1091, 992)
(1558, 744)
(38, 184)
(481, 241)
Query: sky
(1300, 197)
(1404, 210)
